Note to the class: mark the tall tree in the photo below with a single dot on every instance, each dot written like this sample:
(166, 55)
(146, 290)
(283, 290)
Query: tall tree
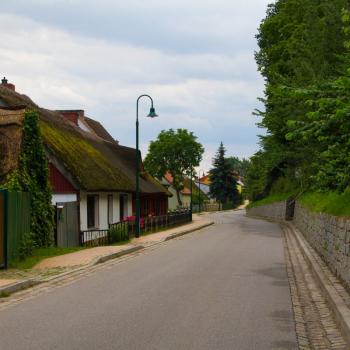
(223, 185)
(239, 166)
(176, 152)
(300, 48)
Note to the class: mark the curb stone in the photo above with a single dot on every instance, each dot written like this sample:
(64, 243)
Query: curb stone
(15, 287)
(337, 304)
(179, 234)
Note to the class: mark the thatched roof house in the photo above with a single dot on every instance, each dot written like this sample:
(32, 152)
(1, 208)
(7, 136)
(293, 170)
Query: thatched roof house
(80, 150)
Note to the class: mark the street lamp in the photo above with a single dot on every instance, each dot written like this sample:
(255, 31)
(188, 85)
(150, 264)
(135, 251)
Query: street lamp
(191, 185)
(199, 185)
(152, 114)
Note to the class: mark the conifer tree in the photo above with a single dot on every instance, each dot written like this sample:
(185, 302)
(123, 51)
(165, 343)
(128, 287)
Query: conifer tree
(223, 185)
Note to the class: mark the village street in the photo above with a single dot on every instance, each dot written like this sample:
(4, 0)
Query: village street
(223, 287)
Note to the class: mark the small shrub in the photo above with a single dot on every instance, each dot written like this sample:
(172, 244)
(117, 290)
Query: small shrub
(118, 233)
(26, 246)
(4, 294)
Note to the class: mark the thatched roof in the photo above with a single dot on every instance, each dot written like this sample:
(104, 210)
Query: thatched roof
(94, 163)
(10, 140)
(99, 130)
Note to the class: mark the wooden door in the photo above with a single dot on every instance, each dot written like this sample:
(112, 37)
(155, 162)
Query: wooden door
(67, 224)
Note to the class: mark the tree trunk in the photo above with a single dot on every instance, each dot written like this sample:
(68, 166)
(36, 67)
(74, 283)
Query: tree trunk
(178, 197)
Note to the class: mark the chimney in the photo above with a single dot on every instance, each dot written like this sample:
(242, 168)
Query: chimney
(6, 84)
(73, 115)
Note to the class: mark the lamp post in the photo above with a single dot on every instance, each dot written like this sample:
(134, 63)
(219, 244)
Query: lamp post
(191, 205)
(152, 114)
(199, 186)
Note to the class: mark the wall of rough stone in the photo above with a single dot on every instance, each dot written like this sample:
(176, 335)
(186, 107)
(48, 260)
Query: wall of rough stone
(329, 236)
(276, 211)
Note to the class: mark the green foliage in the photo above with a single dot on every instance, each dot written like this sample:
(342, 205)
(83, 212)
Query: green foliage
(4, 294)
(333, 203)
(176, 152)
(32, 176)
(223, 185)
(84, 159)
(26, 246)
(118, 233)
(40, 254)
(240, 166)
(273, 198)
(303, 56)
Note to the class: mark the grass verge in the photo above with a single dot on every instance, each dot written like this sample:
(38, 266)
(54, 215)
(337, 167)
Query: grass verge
(40, 254)
(4, 294)
(271, 199)
(332, 203)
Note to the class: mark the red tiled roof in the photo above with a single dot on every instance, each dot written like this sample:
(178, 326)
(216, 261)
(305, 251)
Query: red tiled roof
(169, 177)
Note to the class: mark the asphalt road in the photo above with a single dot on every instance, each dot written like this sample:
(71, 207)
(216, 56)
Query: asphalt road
(224, 287)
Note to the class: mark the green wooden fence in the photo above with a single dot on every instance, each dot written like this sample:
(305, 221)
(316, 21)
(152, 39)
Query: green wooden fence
(15, 222)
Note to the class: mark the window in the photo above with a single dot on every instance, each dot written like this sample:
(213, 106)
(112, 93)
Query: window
(110, 209)
(123, 206)
(92, 211)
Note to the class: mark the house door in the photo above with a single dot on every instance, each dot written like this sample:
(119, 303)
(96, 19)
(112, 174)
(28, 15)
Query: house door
(67, 224)
(2, 230)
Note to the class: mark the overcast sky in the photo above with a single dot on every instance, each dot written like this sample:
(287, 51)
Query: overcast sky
(195, 58)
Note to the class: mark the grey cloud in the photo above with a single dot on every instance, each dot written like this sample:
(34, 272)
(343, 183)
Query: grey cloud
(195, 58)
(173, 26)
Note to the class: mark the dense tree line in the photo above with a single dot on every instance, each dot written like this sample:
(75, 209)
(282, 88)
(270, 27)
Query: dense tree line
(304, 57)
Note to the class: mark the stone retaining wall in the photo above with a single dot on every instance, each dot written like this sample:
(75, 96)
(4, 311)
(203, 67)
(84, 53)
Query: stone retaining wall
(276, 211)
(329, 236)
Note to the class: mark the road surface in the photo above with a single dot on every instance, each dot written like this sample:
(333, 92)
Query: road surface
(224, 287)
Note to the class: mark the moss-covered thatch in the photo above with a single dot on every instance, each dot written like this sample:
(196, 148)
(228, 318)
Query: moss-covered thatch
(10, 141)
(96, 164)
(89, 167)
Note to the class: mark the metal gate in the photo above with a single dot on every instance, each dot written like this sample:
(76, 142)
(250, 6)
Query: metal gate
(67, 228)
(3, 244)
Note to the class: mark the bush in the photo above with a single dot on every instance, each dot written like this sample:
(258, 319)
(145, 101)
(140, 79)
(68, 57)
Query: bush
(26, 246)
(118, 233)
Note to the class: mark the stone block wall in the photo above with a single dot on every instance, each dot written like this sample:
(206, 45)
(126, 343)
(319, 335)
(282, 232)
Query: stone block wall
(329, 236)
(276, 211)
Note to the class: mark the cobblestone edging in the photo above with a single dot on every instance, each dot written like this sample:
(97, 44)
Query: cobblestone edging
(276, 211)
(329, 236)
(316, 326)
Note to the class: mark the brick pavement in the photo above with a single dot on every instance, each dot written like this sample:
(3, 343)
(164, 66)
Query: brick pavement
(315, 324)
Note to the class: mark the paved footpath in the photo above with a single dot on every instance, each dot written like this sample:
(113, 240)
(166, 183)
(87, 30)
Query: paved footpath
(223, 287)
(315, 324)
(69, 263)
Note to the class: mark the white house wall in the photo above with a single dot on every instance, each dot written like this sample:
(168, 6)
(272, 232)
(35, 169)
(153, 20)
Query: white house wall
(63, 198)
(83, 211)
(102, 208)
(186, 200)
(103, 211)
(172, 201)
(116, 206)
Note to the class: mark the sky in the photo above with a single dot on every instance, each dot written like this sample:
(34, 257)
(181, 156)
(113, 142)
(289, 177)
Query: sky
(195, 58)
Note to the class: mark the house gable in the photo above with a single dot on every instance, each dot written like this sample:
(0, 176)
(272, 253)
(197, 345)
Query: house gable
(59, 183)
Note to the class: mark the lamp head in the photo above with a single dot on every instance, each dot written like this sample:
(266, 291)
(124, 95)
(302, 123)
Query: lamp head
(152, 113)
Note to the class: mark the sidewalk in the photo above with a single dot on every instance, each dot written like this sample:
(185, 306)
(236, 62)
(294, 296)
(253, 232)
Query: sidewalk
(66, 263)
